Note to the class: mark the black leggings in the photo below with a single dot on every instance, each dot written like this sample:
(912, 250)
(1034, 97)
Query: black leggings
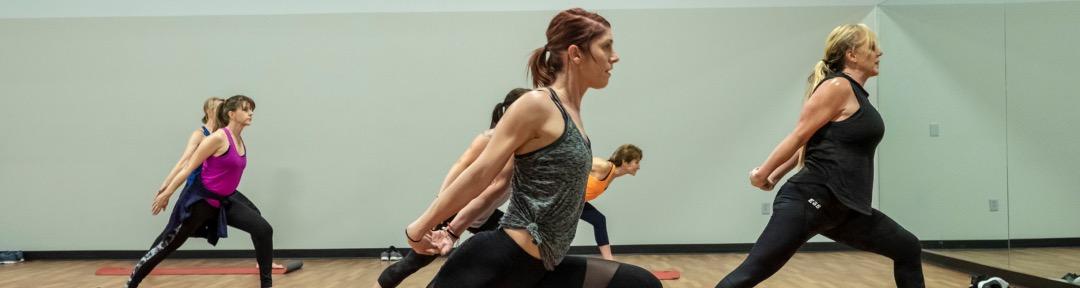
(598, 222)
(493, 259)
(240, 213)
(412, 262)
(801, 211)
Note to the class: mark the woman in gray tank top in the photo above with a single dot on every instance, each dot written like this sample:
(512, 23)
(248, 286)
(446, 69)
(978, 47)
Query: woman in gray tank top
(543, 133)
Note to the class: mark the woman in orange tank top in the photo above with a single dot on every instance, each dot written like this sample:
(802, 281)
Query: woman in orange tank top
(625, 160)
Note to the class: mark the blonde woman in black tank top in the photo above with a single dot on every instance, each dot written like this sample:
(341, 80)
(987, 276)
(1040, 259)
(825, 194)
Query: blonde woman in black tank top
(835, 138)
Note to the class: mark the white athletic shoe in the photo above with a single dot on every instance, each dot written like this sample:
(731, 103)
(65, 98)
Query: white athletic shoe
(385, 256)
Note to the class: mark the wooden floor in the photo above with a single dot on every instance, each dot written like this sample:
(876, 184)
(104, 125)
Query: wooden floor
(811, 269)
(1044, 262)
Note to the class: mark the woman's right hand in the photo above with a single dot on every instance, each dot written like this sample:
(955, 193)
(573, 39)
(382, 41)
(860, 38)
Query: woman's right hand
(444, 240)
(761, 181)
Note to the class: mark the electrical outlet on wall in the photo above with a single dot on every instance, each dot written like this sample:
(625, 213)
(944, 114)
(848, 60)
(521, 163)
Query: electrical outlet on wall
(994, 205)
(766, 208)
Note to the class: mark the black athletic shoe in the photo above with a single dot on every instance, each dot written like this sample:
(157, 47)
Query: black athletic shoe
(11, 257)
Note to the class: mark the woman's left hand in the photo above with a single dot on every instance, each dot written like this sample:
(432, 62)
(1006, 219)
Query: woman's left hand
(424, 244)
(160, 202)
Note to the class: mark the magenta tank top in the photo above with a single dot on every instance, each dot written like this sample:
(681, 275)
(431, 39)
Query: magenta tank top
(221, 174)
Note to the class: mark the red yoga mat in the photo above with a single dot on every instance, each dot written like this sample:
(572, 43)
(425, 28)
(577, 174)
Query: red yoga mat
(667, 274)
(125, 271)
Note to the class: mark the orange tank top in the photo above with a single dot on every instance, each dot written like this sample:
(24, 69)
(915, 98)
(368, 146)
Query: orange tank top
(597, 186)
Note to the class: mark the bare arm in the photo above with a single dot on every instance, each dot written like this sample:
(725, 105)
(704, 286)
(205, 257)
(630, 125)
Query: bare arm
(192, 143)
(787, 166)
(783, 169)
(465, 160)
(519, 125)
(823, 106)
(489, 197)
(208, 146)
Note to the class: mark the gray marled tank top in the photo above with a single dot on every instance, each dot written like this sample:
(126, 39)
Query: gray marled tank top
(548, 191)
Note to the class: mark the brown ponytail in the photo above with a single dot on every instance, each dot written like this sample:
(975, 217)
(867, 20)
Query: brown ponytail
(232, 104)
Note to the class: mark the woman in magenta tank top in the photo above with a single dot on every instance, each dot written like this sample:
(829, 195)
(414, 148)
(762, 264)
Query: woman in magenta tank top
(222, 157)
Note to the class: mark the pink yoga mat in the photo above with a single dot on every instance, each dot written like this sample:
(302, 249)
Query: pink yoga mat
(667, 274)
(125, 271)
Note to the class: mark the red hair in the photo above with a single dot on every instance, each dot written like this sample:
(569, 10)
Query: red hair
(570, 27)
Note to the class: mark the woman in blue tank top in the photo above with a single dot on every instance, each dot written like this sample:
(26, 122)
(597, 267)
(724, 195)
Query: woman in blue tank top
(179, 213)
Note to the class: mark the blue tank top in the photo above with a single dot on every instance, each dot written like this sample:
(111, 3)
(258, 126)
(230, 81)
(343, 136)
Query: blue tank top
(198, 170)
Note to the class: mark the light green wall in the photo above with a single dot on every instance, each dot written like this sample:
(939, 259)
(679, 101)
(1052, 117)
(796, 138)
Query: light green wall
(360, 115)
(944, 64)
(1042, 59)
(995, 77)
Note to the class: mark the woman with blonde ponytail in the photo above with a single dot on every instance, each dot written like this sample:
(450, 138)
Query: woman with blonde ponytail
(542, 133)
(835, 139)
(210, 124)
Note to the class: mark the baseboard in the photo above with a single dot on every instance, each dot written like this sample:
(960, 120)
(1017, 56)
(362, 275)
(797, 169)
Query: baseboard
(618, 249)
(202, 254)
(965, 244)
(1041, 243)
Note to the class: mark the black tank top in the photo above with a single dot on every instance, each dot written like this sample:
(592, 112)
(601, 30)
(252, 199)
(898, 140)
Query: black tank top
(840, 155)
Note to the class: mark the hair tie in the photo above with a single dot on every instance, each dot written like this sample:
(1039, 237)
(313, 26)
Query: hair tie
(410, 238)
